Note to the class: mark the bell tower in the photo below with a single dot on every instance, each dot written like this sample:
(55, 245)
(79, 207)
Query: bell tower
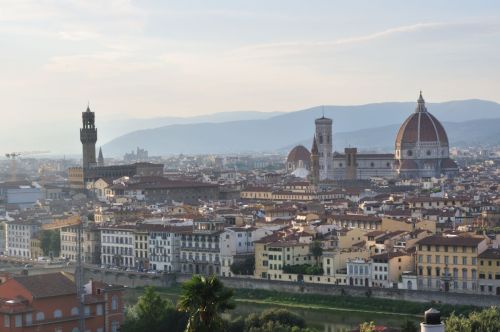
(88, 137)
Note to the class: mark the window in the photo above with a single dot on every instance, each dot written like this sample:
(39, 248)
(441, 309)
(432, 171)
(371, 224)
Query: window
(6, 320)
(114, 303)
(75, 329)
(29, 319)
(86, 310)
(57, 313)
(75, 311)
(40, 316)
(98, 310)
(19, 320)
(114, 326)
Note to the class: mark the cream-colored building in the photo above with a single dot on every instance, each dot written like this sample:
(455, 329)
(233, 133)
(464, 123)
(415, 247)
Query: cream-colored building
(449, 263)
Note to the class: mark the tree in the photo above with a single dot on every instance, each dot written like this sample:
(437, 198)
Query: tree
(50, 242)
(486, 320)
(153, 314)
(409, 326)
(316, 250)
(245, 267)
(204, 299)
(271, 320)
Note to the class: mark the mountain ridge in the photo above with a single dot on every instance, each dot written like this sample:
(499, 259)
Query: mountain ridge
(281, 130)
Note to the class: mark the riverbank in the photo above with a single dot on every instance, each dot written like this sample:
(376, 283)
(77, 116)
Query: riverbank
(323, 302)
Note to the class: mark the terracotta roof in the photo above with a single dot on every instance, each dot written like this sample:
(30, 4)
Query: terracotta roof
(451, 240)
(491, 253)
(47, 285)
(421, 126)
(299, 153)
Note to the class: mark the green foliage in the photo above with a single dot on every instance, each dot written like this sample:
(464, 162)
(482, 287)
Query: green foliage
(352, 302)
(204, 299)
(367, 327)
(486, 320)
(316, 250)
(275, 320)
(245, 267)
(303, 269)
(50, 242)
(153, 314)
(409, 326)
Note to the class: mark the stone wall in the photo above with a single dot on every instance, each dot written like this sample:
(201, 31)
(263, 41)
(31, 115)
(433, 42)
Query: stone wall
(129, 279)
(167, 280)
(383, 293)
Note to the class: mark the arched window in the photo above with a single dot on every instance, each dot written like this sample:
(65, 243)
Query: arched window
(409, 153)
(428, 152)
(57, 313)
(75, 311)
(40, 316)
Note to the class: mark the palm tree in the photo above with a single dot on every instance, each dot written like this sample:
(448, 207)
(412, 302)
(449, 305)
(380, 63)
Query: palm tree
(204, 299)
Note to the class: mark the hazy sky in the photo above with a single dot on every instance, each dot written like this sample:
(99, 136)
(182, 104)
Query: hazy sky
(157, 58)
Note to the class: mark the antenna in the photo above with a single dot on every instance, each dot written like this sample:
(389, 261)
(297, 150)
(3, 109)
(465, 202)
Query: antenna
(323, 110)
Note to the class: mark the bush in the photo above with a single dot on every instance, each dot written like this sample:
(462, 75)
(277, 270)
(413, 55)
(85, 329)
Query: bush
(303, 269)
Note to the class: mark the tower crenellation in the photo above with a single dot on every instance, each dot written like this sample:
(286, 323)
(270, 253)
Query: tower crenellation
(88, 138)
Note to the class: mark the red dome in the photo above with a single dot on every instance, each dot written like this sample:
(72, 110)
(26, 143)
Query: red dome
(299, 153)
(421, 126)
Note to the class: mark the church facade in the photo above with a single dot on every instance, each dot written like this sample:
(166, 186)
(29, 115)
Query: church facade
(421, 150)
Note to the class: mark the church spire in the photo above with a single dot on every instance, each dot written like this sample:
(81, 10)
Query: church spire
(421, 104)
(100, 159)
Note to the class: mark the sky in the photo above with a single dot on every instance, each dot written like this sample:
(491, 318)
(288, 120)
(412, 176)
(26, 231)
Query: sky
(140, 59)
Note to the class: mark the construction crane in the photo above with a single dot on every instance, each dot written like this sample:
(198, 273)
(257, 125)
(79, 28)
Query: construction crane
(13, 164)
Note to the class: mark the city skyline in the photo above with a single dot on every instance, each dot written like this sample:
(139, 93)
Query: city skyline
(145, 60)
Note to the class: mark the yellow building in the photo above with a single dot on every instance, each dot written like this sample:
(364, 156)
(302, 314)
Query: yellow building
(275, 251)
(348, 237)
(36, 248)
(449, 263)
(489, 271)
(141, 238)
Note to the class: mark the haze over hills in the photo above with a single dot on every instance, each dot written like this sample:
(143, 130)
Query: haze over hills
(371, 126)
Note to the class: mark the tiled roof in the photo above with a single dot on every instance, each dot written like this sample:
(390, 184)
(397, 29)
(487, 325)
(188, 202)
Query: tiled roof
(47, 285)
(451, 240)
(491, 253)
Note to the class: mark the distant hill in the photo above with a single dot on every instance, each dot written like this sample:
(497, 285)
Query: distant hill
(371, 126)
(467, 133)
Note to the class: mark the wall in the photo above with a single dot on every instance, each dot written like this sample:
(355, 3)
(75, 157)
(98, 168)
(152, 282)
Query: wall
(167, 280)
(129, 279)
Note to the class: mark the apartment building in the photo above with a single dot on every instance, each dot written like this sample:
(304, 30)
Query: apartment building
(449, 263)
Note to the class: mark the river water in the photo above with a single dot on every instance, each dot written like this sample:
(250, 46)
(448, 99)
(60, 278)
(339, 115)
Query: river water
(328, 320)
(319, 319)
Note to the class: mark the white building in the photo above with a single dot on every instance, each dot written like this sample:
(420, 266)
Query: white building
(200, 251)
(359, 272)
(117, 245)
(18, 238)
(164, 246)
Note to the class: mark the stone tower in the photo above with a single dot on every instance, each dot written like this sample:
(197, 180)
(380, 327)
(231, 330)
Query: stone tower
(88, 137)
(314, 164)
(323, 138)
(351, 169)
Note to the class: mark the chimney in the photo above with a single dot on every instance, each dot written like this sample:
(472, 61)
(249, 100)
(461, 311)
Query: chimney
(432, 321)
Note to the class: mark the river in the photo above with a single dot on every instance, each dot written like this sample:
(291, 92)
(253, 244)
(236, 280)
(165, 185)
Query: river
(319, 319)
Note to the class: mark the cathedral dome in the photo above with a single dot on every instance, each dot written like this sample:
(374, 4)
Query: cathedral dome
(421, 127)
(299, 153)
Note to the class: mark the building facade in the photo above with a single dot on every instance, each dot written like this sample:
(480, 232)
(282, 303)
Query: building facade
(88, 138)
(422, 148)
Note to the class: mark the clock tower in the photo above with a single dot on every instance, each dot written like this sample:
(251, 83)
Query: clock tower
(88, 137)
